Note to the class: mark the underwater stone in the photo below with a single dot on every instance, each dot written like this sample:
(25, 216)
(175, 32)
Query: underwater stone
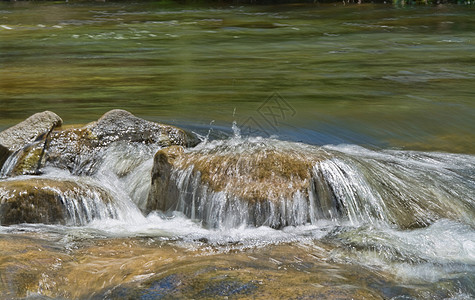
(48, 201)
(26, 132)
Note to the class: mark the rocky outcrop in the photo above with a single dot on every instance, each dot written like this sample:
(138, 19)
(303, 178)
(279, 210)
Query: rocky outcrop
(275, 183)
(48, 201)
(121, 125)
(81, 149)
(35, 127)
(228, 185)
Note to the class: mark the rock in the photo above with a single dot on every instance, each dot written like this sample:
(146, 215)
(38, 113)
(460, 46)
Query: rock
(164, 191)
(229, 185)
(4, 154)
(81, 149)
(40, 200)
(26, 161)
(275, 183)
(121, 125)
(26, 132)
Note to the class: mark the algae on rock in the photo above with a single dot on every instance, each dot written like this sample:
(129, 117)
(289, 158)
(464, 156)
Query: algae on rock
(41, 200)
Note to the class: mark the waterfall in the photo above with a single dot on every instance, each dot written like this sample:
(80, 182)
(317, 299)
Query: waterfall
(9, 164)
(344, 183)
(352, 184)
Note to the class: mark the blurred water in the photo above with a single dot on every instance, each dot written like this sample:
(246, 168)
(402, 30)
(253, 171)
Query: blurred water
(369, 75)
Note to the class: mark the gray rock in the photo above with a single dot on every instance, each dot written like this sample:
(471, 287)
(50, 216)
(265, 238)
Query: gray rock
(26, 132)
(121, 125)
(81, 149)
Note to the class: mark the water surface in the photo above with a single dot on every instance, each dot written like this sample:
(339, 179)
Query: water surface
(399, 81)
(368, 74)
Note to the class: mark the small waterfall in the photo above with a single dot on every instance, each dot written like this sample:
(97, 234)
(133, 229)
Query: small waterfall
(352, 184)
(84, 204)
(50, 200)
(9, 164)
(126, 167)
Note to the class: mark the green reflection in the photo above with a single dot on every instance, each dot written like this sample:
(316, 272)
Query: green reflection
(368, 74)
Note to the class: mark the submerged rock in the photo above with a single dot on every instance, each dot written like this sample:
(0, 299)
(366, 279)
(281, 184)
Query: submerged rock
(40, 200)
(33, 128)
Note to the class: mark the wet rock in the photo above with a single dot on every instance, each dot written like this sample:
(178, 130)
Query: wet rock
(26, 132)
(39, 200)
(4, 154)
(26, 161)
(275, 183)
(122, 125)
(228, 185)
(80, 149)
(164, 191)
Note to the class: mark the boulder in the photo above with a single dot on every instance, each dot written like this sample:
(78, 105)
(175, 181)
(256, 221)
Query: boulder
(49, 201)
(81, 149)
(258, 182)
(35, 127)
(121, 125)
(230, 185)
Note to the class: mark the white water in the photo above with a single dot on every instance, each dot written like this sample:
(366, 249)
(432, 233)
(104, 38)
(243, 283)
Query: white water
(352, 184)
(373, 189)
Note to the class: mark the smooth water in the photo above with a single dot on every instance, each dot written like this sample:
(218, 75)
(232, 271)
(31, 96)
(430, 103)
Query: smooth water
(396, 81)
(365, 74)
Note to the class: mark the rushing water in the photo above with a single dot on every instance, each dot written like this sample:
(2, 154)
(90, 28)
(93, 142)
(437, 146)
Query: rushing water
(357, 83)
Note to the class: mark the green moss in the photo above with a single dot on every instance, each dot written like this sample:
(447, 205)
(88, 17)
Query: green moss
(257, 176)
(28, 161)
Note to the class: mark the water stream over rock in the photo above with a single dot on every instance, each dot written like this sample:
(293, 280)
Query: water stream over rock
(349, 172)
(234, 217)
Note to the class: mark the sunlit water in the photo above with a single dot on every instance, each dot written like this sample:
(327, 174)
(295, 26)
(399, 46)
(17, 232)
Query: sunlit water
(345, 77)
(369, 74)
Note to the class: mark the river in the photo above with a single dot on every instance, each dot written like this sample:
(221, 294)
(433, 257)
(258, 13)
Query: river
(387, 91)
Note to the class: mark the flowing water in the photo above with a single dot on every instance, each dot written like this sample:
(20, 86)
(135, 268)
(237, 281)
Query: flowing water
(384, 94)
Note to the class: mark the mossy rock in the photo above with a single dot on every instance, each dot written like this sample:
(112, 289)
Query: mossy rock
(48, 201)
(258, 184)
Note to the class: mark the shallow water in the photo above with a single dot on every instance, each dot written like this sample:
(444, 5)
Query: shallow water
(372, 250)
(396, 81)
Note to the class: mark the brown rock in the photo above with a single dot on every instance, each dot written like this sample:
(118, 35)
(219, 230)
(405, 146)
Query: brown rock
(39, 200)
(254, 186)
